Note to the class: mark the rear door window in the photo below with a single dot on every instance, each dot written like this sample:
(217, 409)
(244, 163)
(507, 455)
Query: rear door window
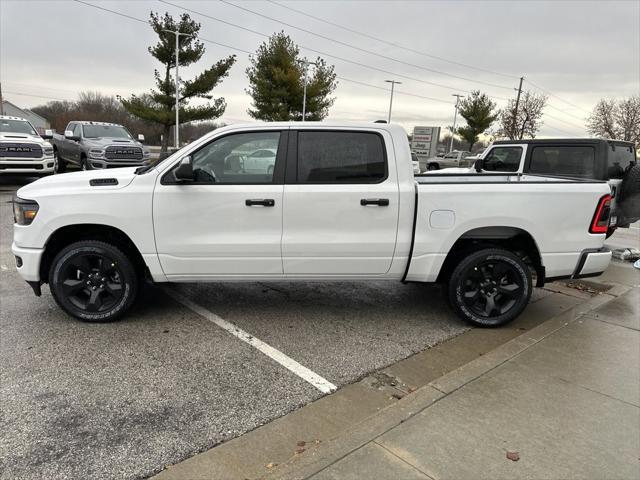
(566, 161)
(341, 157)
(619, 157)
(503, 159)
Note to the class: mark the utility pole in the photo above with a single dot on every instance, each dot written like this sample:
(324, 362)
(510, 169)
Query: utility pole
(306, 64)
(455, 118)
(393, 84)
(515, 115)
(177, 33)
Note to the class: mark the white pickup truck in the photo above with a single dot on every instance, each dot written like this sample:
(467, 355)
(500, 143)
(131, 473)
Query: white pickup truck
(22, 150)
(341, 203)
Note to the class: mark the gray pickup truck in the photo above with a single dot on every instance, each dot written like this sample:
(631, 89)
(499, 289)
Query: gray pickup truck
(97, 145)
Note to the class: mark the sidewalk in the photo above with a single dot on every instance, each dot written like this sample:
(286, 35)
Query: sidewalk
(564, 398)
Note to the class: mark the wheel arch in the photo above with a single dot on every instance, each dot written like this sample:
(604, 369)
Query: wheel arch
(69, 234)
(514, 239)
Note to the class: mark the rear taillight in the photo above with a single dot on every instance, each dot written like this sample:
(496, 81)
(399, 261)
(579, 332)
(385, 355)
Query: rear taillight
(600, 222)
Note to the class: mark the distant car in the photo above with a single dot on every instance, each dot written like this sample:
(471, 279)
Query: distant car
(451, 159)
(416, 163)
(260, 161)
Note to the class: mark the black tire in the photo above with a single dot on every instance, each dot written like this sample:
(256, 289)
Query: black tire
(433, 166)
(93, 281)
(84, 164)
(629, 194)
(490, 287)
(59, 165)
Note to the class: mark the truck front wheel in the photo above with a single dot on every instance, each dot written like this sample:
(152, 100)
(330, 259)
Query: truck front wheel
(490, 287)
(93, 281)
(59, 165)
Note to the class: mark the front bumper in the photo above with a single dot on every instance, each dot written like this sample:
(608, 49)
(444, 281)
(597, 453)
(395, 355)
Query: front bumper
(101, 163)
(28, 262)
(10, 166)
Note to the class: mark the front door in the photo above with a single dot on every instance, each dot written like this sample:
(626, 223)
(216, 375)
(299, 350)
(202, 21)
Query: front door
(341, 199)
(228, 222)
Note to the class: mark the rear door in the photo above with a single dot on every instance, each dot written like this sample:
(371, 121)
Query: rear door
(341, 199)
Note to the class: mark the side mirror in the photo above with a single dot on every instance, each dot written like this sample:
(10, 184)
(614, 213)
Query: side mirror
(478, 165)
(184, 171)
(140, 137)
(68, 134)
(47, 135)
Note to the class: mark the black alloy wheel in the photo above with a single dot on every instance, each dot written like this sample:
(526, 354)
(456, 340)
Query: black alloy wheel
(93, 281)
(490, 288)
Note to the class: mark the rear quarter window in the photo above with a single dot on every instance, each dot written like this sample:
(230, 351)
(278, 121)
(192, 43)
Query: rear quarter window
(341, 157)
(619, 158)
(566, 161)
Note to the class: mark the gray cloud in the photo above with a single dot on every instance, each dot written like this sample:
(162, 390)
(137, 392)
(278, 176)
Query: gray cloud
(580, 51)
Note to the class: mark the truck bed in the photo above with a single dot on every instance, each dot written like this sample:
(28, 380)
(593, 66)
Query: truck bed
(496, 205)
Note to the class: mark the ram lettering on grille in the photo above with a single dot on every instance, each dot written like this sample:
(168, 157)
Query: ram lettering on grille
(20, 150)
(123, 153)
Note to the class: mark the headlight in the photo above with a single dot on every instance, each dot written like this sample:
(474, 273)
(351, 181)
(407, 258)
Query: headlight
(95, 153)
(24, 211)
(145, 153)
(48, 151)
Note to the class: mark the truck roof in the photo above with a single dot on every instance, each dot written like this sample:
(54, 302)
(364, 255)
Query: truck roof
(9, 117)
(87, 122)
(534, 141)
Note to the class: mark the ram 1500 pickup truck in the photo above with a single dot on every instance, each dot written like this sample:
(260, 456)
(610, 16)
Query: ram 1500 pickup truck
(22, 150)
(341, 203)
(97, 145)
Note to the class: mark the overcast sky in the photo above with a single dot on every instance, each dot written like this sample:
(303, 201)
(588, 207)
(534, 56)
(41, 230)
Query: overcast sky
(578, 51)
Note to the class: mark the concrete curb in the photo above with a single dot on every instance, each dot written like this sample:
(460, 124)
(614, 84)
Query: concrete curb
(328, 453)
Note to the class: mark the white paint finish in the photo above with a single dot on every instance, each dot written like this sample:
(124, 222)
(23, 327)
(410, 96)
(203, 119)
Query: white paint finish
(208, 229)
(301, 371)
(556, 215)
(327, 231)
(425, 268)
(442, 219)
(30, 269)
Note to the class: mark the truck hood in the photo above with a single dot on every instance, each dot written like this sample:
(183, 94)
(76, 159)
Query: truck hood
(66, 183)
(22, 137)
(107, 141)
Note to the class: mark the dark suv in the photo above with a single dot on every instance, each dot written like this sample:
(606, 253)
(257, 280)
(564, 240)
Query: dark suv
(613, 161)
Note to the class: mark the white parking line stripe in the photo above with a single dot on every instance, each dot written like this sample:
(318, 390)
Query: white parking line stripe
(290, 364)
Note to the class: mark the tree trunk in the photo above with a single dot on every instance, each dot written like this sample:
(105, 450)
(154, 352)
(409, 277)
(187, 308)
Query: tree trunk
(166, 133)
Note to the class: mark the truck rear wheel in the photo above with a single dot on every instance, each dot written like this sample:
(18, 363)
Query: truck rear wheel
(93, 281)
(490, 287)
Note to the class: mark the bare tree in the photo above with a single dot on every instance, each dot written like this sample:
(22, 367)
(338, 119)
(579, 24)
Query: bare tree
(527, 121)
(617, 120)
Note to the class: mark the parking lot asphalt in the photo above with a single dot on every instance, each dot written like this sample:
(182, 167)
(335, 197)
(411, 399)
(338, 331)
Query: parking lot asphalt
(122, 400)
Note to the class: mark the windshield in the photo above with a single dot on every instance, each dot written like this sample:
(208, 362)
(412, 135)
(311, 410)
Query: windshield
(110, 131)
(17, 126)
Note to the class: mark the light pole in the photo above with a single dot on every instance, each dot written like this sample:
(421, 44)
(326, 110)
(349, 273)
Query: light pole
(455, 117)
(306, 64)
(393, 83)
(177, 33)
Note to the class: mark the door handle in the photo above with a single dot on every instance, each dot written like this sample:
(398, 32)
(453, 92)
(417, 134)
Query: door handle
(265, 202)
(381, 202)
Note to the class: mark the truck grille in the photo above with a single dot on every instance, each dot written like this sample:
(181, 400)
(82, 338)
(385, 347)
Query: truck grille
(123, 153)
(20, 150)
